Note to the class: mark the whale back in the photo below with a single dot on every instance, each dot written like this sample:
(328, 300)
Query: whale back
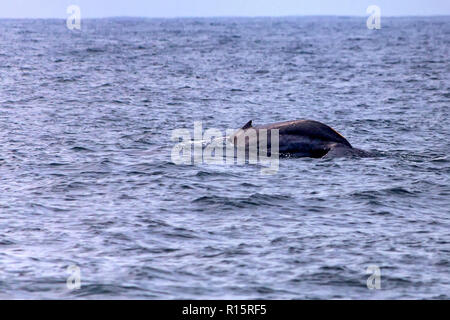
(307, 128)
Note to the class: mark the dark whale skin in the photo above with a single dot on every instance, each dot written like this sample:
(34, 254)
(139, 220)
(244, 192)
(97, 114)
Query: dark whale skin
(306, 138)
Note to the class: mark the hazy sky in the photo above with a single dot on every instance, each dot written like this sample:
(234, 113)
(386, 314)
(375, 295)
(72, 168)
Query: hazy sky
(201, 8)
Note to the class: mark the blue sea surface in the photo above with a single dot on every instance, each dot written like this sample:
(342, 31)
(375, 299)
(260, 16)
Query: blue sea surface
(87, 178)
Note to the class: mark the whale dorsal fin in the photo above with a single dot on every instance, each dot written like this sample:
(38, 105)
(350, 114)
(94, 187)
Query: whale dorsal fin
(247, 125)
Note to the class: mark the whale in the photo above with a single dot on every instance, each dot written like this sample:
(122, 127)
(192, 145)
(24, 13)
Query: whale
(298, 138)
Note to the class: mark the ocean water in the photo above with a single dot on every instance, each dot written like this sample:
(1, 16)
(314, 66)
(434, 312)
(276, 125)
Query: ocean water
(87, 178)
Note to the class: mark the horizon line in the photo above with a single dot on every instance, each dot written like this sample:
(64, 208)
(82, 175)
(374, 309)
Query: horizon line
(226, 16)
